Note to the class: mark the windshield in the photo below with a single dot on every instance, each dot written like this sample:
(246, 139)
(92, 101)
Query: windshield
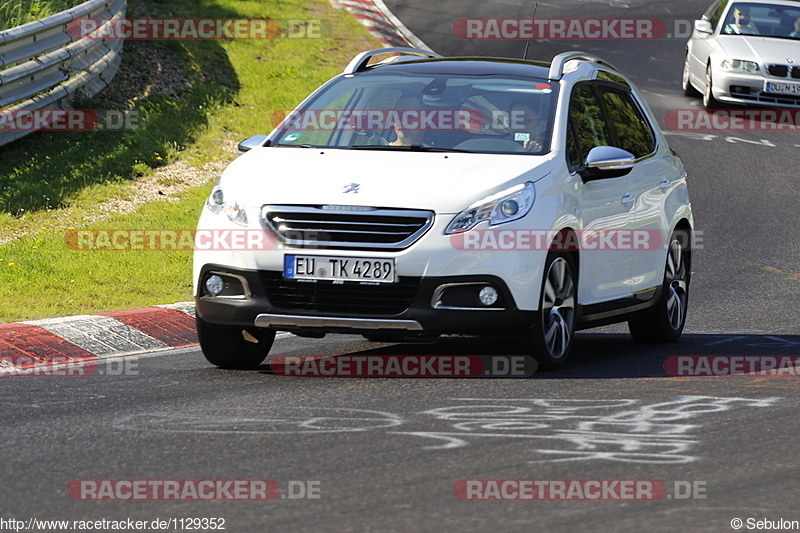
(765, 20)
(426, 112)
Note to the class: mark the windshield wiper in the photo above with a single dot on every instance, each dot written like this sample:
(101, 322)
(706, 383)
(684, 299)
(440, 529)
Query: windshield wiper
(415, 148)
(296, 145)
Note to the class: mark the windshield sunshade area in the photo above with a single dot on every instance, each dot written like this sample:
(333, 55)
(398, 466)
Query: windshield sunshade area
(424, 112)
(764, 20)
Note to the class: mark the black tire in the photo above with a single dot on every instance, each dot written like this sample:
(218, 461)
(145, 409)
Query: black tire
(686, 82)
(227, 347)
(709, 102)
(666, 321)
(551, 337)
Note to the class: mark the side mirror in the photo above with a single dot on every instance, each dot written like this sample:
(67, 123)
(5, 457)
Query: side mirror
(251, 142)
(607, 162)
(703, 26)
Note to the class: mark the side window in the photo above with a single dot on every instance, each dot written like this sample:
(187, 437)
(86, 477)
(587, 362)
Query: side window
(714, 13)
(587, 118)
(610, 76)
(573, 152)
(631, 130)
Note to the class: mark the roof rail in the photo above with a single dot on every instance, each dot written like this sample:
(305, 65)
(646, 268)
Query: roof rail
(359, 62)
(557, 66)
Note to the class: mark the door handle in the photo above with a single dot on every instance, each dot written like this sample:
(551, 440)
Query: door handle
(664, 185)
(628, 198)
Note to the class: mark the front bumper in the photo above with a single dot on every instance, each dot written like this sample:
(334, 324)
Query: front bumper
(748, 89)
(413, 306)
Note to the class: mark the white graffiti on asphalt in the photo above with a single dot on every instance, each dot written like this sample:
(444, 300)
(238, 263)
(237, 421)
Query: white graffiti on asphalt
(619, 430)
(579, 430)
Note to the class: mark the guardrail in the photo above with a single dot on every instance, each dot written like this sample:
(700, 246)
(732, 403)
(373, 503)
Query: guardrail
(43, 66)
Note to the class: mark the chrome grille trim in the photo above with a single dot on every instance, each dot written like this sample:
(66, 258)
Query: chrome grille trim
(363, 228)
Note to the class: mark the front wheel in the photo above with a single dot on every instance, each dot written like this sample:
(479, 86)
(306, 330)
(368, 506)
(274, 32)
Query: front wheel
(709, 102)
(234, 348)
(686, 82)
(665, 323)
(550, 339)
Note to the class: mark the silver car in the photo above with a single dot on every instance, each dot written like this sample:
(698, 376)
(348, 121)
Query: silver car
(745, 53)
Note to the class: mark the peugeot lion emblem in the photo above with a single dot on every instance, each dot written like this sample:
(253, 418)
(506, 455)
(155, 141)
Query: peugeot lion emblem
(351, 187)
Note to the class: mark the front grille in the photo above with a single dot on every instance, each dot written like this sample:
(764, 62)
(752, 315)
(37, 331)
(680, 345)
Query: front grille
(768, 98)
(363, 228)
(346, 298)
(780, 71)
(796, 72)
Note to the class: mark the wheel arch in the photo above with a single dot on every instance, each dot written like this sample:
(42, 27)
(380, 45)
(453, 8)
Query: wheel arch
(569, 235)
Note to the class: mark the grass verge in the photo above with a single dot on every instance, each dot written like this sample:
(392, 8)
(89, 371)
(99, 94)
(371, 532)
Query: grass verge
(18, 12)
(222, 92)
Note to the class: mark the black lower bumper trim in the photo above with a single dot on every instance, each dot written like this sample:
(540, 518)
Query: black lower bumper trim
(418, 317)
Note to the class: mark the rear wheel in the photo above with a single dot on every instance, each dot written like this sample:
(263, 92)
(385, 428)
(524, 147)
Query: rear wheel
(665, 323)
(234, 348)
(550, 340)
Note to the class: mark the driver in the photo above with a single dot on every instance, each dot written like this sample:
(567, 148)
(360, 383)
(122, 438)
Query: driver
(742, 25)
(526, 125)
(408, 105)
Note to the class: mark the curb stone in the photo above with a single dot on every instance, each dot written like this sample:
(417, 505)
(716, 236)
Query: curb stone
(34, 343)
(382, 23)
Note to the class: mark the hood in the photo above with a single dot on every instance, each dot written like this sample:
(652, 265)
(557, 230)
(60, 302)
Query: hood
(764, 50)
(444, 182)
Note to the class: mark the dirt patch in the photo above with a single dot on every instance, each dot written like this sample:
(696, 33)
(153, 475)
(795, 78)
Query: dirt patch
(178, 177)
(148, 68)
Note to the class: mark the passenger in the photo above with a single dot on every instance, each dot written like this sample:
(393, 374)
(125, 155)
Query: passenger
(796, 33)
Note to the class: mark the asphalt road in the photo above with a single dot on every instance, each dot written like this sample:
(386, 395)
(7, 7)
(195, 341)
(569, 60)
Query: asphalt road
(386, 454)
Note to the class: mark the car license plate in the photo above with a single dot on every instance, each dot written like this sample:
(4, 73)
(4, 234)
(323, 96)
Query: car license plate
(782, 88)
(333, 268)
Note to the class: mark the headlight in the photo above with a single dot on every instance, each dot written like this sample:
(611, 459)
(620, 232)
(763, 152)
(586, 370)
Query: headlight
(504, 207)
(216, 203)
(740, 65)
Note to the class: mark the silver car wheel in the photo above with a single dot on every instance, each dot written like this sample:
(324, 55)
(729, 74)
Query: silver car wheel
(558, 307)
(676, 275)
(709, 101)
(685, 80)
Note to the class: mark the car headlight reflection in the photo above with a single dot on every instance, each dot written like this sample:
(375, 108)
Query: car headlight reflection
(217, 203)
(506, 206)
(740, 65)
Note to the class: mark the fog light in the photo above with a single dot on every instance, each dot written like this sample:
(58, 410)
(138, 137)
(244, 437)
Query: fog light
(488, 295)
(214, 285)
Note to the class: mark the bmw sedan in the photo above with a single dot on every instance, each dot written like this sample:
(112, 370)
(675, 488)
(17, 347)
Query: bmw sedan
(745, 53)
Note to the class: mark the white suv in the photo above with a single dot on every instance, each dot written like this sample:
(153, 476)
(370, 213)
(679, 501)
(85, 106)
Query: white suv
(421, 196)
